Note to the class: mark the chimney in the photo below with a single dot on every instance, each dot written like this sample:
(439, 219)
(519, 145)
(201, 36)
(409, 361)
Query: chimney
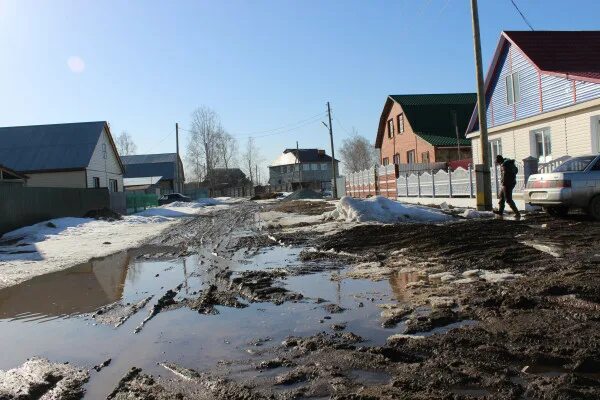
(321, 152)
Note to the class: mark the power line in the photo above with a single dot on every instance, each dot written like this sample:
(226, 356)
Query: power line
(277, 131)
(521, 14)
(342, 125)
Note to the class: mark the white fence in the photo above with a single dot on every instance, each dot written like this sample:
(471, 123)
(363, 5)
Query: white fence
(448, 183)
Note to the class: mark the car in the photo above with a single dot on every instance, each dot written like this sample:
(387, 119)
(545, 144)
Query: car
(573, 184)
(173, 197)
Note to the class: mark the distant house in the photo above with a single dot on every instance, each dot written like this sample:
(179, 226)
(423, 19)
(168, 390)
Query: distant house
(424, 128)
(294, 168)
(543, 96)
(147, 184)
(227, 182)
(74, 155)
(168, 166)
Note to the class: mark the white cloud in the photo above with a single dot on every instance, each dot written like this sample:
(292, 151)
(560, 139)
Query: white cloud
(76, 64)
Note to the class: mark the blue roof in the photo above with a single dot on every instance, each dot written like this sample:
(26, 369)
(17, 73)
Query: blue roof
(49, 147)
(145, 165)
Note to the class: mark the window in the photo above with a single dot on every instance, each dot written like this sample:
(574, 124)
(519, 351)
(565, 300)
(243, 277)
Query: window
(305, 167)
(296, 167)
(425, 157)
(96, 182)
(577, 164)
(314, 167)
(390, 128)
(386, 161)
(324, 166)
(410, 157)
(513, 91)
(495, 150)
(113, 185)
(396, 158)
(542, 141)
(400, 123)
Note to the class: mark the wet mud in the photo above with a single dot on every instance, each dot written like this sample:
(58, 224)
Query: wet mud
(469, 309)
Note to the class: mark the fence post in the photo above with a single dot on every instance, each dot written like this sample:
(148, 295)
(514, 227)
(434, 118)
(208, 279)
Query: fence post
(450, 182)
(470, 181)
(418, 183)
(432, 184)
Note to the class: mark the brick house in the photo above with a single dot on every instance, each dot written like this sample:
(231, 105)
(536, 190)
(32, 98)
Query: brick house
(424, 128)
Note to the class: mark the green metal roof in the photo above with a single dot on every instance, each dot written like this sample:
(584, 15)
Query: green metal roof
(430, 115)
(443, 140)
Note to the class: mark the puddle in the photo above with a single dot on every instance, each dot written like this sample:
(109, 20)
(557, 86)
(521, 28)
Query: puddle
(370, 377)
(64, 301)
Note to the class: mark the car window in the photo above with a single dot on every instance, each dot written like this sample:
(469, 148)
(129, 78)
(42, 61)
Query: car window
(596, 166)
(575, 164)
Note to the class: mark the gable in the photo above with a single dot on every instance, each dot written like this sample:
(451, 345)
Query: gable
(540, 91)
(112, 163)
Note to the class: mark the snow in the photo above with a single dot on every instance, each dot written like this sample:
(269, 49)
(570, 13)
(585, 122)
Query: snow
(384, 210)
(61, 243)
(471, 214)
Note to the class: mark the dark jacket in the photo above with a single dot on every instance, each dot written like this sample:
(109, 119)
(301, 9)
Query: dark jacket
(508, 170)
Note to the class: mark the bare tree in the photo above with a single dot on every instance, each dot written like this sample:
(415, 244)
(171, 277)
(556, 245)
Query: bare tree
(125, 144)
(357, 153)
(195, 157)
(227, 148)
(205, 131)
(250, 159)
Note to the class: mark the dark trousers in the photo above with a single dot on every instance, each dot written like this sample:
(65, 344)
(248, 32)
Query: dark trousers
(506, 197)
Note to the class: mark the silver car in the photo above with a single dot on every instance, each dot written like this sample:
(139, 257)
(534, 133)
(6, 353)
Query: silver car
(573, 184)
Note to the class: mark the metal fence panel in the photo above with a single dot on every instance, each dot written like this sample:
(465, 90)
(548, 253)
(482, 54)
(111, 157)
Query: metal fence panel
(22, 206)
(461, 182)
(442, 183)
(413, 185)
(426, 184)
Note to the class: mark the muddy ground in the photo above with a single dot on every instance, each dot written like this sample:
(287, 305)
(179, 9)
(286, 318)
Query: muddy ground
(483, 308)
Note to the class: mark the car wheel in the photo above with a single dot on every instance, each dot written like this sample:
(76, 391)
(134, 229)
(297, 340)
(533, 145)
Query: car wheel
(558, 211)
(594, 208)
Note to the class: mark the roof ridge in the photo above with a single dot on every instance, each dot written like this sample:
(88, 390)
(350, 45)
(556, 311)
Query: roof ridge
(61, 123)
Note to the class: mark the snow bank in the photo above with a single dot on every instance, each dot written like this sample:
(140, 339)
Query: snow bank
(61, 243)
(382, 209)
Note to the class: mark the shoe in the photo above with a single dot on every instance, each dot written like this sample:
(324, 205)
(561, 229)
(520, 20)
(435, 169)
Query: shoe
(497, 212)
(518, 216)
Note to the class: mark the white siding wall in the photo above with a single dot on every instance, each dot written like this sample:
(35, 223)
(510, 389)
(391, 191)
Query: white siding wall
(72, 179)
(104, 169)
(571, 135)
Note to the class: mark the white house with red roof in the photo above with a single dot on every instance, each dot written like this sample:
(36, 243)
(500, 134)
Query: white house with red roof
(543, 96)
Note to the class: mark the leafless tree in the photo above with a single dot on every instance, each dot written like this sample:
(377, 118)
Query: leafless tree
(195, 158)
(227, 148)
(357, 153)
(250, 159)
(205, 131)
(125, 144)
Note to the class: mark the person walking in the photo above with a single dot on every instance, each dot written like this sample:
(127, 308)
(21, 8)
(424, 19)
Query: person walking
(508, 182)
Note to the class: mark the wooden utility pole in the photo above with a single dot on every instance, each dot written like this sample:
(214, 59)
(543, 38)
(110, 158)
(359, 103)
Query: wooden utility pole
(482, 171)
(333, 174)
(299, 167)
(256, 173)
(177, 187)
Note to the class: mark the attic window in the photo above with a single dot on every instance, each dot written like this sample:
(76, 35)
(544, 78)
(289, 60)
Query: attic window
(400, 123)
(390, 128)
(513, 91)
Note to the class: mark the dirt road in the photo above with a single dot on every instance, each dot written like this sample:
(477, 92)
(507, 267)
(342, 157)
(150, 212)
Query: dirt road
(227, 306)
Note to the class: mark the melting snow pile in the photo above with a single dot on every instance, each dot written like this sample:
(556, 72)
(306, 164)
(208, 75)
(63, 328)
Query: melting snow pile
(382, 209)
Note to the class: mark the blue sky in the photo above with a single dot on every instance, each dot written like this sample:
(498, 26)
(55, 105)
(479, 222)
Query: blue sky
(259, 64)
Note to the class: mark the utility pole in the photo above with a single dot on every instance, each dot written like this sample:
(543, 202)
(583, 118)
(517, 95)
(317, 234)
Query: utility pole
(299, 167)
(177, 183)
(457, 134)
(333, 174)
(482, 171)
(256, 173)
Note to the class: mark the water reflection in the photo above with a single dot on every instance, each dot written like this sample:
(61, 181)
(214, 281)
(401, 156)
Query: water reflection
(76, 290)
(400, 280)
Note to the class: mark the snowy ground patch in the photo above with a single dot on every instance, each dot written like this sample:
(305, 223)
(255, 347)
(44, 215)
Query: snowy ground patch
(382, 209)
(61, 243)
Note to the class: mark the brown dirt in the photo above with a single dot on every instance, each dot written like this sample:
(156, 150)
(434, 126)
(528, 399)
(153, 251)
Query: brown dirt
(304, 207)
